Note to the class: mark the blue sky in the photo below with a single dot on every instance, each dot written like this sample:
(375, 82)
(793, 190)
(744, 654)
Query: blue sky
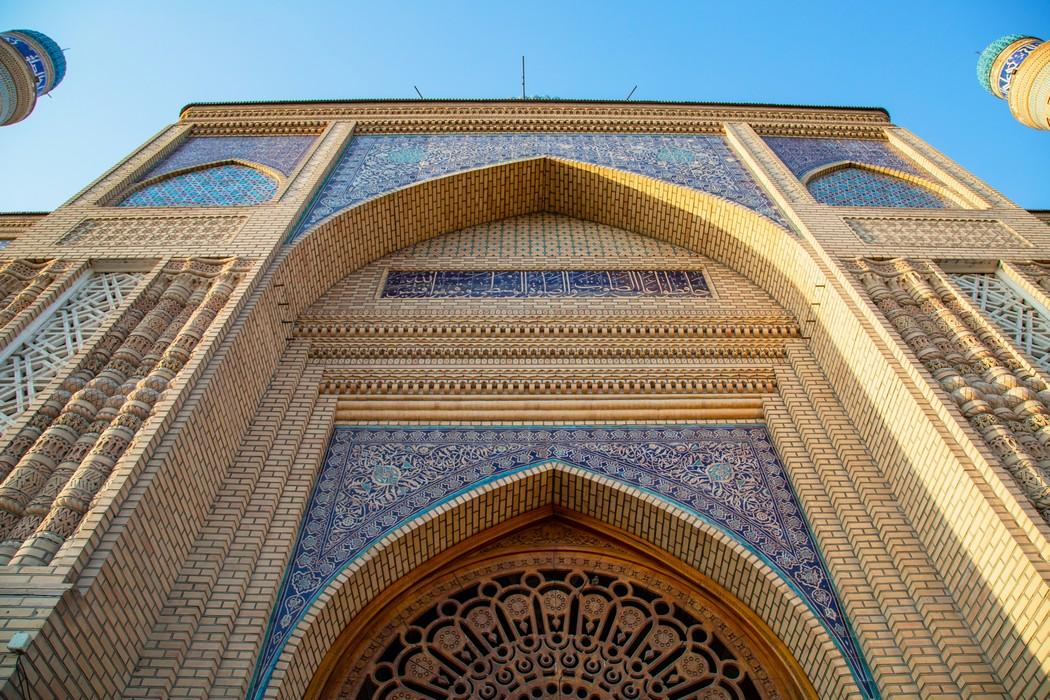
(133, 65)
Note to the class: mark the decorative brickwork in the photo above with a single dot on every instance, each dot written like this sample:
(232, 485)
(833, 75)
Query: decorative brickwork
(1039, 273)
(26, 369)
(170, 230)
(22, 281)
(154, 494)
(1002, 397)
(227, 185)
(946, 233)
(57, 463)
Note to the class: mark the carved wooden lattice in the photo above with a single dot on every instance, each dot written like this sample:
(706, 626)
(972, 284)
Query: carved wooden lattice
(29, 367)
(1011, 312)
(589, 632)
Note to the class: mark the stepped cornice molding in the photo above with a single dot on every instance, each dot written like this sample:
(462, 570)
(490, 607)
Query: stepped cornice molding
(407, 117)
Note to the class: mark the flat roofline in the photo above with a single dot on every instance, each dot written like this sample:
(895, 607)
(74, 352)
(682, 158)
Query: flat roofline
(24, 213)
(511, 100)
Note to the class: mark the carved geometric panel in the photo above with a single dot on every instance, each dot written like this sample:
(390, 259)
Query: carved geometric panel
(29, 367)
(499, 284)
(166, 230)
(375, 479)
(1021, 321)
(548, 626)
(376, 164)
(935, 232)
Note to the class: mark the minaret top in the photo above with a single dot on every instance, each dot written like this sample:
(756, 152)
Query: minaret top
(1001, 59)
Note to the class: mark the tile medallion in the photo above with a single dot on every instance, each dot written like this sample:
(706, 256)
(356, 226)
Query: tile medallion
(373, 165)
(220, 186)
(521, 284)
(375, 479)
(281, 153)
(803, 154)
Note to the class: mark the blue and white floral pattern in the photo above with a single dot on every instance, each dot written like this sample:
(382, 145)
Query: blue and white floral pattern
(376, 164)
(803, 154)
(281, 153)
(375, 479)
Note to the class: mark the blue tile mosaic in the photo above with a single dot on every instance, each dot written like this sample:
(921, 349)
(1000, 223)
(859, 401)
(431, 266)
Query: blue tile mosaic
(373, 165)
(281, 153)
(521, 284)
(802, 155)
(220, 186)
(375, 479)
(864, 188)
(36, 63)
(1012, 63)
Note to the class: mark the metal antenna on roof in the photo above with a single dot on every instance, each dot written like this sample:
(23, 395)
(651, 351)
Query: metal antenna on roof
(418, 93)
(630, 93)
(523, 77)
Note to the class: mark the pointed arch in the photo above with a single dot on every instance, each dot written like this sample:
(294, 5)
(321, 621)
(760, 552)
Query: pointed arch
(682, 538)
(222, 183)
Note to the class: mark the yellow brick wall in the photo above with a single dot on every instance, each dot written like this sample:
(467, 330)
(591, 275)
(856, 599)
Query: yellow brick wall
(166, 588)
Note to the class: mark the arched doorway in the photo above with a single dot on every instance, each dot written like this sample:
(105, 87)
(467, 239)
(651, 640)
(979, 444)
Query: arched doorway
(556, 609)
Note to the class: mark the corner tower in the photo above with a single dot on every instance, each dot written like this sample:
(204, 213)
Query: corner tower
(31, 65)
(1016, 68)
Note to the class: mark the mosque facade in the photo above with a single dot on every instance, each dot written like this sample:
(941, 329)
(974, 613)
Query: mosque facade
(526, 399)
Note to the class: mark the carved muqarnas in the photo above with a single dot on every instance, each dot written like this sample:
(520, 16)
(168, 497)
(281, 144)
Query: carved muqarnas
(53, 468)
(1002, 396)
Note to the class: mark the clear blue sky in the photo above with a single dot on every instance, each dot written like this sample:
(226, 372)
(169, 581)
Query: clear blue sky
(133, 65)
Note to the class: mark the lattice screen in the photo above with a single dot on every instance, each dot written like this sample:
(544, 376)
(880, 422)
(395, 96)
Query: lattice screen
(1013, 313)
(35, 361)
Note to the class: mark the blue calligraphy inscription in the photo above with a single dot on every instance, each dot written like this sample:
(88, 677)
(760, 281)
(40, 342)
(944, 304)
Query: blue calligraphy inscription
(34, 59)
(521, 284)
(373, 165)
(375, 479)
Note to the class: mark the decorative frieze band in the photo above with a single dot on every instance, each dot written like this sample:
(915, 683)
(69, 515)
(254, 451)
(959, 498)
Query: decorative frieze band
(162, 230)
(937, 232)
(1003, 397)
(56, 464)
(546, 327)
(566, 350)
(521, 381)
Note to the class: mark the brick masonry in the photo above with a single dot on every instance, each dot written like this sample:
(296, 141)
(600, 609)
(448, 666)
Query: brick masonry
(164, 584)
